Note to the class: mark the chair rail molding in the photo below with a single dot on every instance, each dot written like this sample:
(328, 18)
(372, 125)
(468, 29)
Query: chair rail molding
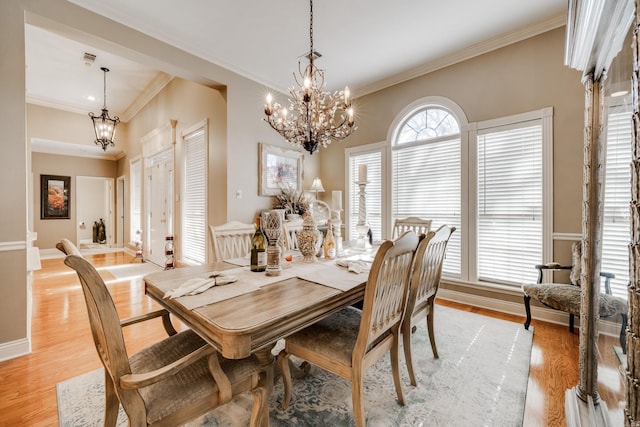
(13, 246)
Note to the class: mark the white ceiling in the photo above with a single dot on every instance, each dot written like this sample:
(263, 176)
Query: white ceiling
(366, 44)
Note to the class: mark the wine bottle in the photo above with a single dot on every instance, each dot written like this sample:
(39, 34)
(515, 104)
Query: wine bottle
(329, 244)
(258, 249)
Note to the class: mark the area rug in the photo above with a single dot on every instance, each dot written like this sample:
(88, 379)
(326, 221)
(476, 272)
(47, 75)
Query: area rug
(480, 379)
(127, 271)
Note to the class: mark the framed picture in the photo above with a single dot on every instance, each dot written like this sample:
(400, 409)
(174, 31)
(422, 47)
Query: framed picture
(279, 168)
(54, 196)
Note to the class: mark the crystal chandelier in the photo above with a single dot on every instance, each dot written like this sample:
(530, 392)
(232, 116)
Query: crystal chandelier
(314, 117)
(103, 125)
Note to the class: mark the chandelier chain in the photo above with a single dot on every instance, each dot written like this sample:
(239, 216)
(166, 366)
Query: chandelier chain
(311, 54)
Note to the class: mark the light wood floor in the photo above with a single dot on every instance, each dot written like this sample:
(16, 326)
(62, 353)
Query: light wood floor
(63, 348)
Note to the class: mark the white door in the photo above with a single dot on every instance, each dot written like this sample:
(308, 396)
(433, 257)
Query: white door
(120, 212)
(159, 215)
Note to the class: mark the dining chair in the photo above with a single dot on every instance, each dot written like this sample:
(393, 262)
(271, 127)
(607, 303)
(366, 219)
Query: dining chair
(231, 240)
(412, 223)
(291, 230)
(425, 280)
(170, 382)
(67, 247)
(350, 341)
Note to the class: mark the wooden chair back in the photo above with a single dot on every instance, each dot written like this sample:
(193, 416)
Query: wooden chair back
(291, 230)
(412, 223)
(385, 294)
(68, 248)
(106, 329)
(427, 269)
(231, 240)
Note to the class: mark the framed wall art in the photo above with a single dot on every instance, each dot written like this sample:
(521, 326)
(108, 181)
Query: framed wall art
(55, 195)
(279, 168)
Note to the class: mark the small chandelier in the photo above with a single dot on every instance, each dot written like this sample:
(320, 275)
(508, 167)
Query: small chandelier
(314, 117)
(103, 125)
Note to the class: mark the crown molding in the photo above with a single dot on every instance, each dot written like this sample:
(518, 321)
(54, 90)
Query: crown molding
(467, 53)
(41, 145)
(152, 89)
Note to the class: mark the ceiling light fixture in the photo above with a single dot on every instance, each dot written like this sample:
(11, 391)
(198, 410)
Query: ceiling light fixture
(314, 118)
(103, 125)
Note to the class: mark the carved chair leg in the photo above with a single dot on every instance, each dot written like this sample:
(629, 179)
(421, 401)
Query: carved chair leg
(406, 344)
(623, 333)
(395, 366)
(283, 364)
(527, 307)
(357, 388)
(112, 404)
(571, 322)
(432, 336)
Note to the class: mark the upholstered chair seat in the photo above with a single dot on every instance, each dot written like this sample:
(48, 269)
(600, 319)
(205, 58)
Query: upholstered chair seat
(567, 298)
(190, 385)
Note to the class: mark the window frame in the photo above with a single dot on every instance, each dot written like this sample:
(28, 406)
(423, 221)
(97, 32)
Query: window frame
(469, 193)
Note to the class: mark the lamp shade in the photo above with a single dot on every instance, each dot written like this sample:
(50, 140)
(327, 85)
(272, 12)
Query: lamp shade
(317, 186)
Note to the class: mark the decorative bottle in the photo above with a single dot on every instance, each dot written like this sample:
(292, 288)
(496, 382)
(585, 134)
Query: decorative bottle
(329, 244)
(258, 249)
(168, 252)
(308, 238)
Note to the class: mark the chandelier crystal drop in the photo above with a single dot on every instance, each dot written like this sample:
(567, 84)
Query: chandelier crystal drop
(103, 125)
(314, 118)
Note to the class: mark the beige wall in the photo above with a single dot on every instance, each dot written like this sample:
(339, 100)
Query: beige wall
(50, 231)
(522, 77)
(13, 174)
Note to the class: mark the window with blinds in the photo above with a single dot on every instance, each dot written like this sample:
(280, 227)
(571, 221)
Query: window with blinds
(373, 160)
(617, 194)
(194, 211)
(510, 203)
(135, 196)
(426, 183)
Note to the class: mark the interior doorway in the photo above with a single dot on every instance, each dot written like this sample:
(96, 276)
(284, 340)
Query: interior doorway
(159, 204)
(120, 206)
(94, 207)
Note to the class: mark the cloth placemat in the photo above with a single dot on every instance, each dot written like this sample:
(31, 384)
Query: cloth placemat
(242, 261)
(330, 274)
(248, 281)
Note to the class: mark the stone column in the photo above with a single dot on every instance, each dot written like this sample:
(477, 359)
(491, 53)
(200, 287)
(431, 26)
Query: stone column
(632, 411)
(592, 199)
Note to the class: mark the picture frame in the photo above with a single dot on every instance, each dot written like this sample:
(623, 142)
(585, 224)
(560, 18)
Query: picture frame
(55, 196)
(278, 168)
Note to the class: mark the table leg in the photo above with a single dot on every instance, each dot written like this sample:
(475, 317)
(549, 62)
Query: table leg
(267, 362)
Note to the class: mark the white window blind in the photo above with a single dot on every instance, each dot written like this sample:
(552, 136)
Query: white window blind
(373, 160)
(617, 194)
(510, 203)
(135, 196)
(426, 183)
(194, 214)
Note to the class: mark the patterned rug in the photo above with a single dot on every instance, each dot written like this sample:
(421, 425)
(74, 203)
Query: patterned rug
(480, 379)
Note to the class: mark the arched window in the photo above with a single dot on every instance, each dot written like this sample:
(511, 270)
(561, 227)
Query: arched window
(428, 123)
(426, 173)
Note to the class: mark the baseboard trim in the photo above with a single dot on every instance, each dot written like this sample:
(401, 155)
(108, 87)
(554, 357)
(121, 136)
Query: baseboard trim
(13, 349)
(606, 327)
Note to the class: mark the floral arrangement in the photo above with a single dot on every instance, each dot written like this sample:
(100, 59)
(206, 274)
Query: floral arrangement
(291, 200)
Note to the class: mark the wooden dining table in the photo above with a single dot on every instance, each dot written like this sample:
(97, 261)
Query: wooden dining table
(252, 323)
